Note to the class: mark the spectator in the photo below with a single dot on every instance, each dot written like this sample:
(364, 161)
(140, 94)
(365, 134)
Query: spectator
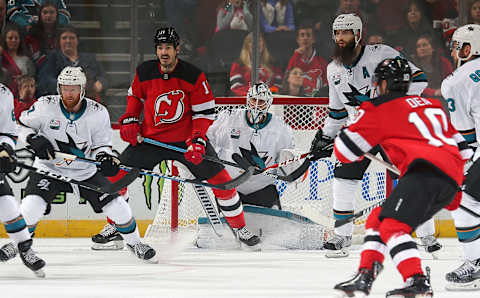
(67, 54)
(26, 94)
(375, 38)
(386, 13)
(234, 15)
(277, 15)
(306, 58)
(24, 15)
(240, 72)
(15, 57)
(293, 82)
(474, 13)
(41, 39)
(434, 65)
(416, 24)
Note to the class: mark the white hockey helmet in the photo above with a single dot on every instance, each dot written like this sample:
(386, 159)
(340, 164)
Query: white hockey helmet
(348, 21)
(259, 100)
(470, 34)
(72, 76)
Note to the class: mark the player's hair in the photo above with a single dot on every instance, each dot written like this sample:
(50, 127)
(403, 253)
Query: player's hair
(65, 29)
(38, 29)
(266, 59)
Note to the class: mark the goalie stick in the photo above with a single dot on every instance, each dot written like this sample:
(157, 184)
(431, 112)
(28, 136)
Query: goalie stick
(110, 189)
(288, 178)
(224, 186)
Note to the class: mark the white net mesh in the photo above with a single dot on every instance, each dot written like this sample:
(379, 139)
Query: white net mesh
(309, 196)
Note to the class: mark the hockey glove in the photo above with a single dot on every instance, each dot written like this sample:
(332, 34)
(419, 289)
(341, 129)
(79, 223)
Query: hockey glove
(322, 146)
(195, 150)
(109, 164)
(129, 128)
(41, 146)
(8, 162)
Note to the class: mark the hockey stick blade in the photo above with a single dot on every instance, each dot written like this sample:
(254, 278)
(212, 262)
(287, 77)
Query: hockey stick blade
(297, 173)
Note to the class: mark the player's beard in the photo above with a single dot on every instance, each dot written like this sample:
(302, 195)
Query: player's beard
(345, 55)
(170, 65)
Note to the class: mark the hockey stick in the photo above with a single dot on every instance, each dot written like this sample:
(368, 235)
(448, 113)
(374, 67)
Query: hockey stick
(288, 178)
(110, 188)
(224, 186)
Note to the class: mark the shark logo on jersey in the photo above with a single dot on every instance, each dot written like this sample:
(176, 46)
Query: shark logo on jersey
(356, 95)
(72, 148)
(169, 107)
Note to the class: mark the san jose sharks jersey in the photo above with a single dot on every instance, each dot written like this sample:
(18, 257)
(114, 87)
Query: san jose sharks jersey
(232, 130)
(25, 12)
(85, 133)
(349, 82)
(461, 89)
(8, 126)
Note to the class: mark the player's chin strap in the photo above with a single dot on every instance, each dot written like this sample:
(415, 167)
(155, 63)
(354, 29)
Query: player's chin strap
(288, 178)
(227, 185)
(396, 171)
(110, 188)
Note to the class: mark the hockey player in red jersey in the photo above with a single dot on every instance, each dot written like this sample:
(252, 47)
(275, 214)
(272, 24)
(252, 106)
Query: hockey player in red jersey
(178, 107)
(430, 154)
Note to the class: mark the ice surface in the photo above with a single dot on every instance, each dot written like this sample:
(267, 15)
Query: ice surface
(73, 270)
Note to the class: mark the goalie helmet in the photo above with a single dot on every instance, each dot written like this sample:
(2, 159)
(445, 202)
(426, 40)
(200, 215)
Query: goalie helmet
(72, 76)
(259, 100)
(468, 34)
(166, 35)
(397, 73)
(348, 22)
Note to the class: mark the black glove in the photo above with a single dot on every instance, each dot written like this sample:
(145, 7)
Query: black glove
(8, 162)
(41, 146)
(109, 164)
(322, 146)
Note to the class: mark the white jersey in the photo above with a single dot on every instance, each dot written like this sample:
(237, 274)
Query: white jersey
(84, 133)
(8, 126)
(345, 83)
(461, 89)
(232, 130)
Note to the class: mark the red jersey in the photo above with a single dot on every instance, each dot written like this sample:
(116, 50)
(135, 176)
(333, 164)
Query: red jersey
(176, 105)
(22, 105)
(240, 78)
(409, 128)
(314, 69)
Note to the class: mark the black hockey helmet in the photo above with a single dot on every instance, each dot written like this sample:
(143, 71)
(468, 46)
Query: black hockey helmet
(166, 35)
(397, 73)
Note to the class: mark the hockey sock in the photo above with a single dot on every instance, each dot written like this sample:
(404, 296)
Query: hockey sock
(426, 229)
(401, 246)
(344, 203)
(33, 207)
(468, 227)
(373, 249)
(12, 219)
(119, 211)
(129, 231)
(228, 201)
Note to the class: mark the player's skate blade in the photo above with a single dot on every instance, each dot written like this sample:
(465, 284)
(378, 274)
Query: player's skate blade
(108, 239)
(144, 252)
(248, 240)
(464, 278)
(30, 259)
(112, 245)
(338, 246)
(417, 286)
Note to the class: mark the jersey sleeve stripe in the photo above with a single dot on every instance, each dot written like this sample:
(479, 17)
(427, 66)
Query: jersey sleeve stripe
(419, 76)
(358, 144)
(338, 114)
(469, 135)
(344, 150)
(209, 105)
(465, 151)
(198, 116)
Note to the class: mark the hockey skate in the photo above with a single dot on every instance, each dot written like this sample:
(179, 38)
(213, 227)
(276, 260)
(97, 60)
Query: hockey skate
(464, 278)
(8, 252)
(143, 252)
(338, 246)
(361, 284)
(416, 286)
(30, 259)
(431, 245)
(248, 240)
(108, 239)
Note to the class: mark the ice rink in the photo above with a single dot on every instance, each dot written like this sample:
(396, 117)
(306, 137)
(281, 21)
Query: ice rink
(74, 270)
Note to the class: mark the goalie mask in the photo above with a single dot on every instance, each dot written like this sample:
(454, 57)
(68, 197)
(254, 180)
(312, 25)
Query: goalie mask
(468, 34)
(259, 100)
(348, 22)
(72, 76)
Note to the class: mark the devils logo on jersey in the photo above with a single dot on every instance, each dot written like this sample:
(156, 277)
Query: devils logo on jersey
(169, 107)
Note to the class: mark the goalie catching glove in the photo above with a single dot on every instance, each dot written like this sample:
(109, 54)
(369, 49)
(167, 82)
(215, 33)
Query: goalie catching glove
(195, 149)
(8, 162)
(109, 164)
(322, 146)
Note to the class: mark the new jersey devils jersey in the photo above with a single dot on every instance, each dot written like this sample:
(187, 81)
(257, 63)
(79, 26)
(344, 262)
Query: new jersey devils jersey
(345, 83)
(8, 126)
(232, 130)
(84, 133)
(174, 104)
(409, 128)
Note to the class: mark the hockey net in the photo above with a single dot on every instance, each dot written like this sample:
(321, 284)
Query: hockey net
(310, 196)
